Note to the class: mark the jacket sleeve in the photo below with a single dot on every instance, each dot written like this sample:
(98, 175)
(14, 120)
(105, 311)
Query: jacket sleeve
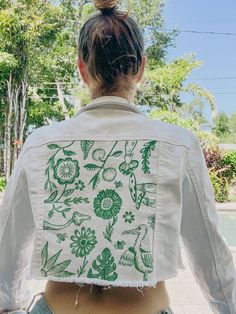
(209, 257)
(16, 231)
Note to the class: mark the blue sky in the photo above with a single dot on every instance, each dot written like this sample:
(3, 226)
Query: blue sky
(218, 52)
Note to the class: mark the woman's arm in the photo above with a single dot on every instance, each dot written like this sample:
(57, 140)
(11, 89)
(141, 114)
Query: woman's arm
(209, 256)
(16, 237)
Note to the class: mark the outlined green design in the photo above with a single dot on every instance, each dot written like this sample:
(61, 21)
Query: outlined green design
(51, 162)
(118, 184)
(83, 242)
(86, 146)
(77, 218)
(129, 165)
(146, 153)
(49, 266)
(107, 204)
(151, 221)
(79, 185)
(66, 170)
(128, 217)
(119, 245)
(108, 174)
(136, 256)
(61, 237)
(105, 267)
(110, 229)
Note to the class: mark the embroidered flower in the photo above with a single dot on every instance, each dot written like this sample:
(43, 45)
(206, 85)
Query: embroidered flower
(128, 217)
(107, 204)
(79, 185)
(151, 221)
(66, 170)
(83, 242)
(119, 245)
(61, 237)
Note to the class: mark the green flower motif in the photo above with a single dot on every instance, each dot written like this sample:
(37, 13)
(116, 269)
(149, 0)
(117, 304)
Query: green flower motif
(107, 204)
(151, 221)
(119, 245)
(128, 217)
(66, 170)
(79, 185)
(83, 242)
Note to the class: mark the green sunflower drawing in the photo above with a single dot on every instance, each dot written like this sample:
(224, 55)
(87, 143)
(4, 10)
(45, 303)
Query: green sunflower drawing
(107, 204)
(83, 242)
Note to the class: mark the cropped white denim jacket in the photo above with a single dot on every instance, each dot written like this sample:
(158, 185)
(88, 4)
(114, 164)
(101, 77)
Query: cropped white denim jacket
(104, 198)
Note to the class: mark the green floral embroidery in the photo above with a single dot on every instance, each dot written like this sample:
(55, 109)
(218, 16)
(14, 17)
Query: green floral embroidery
(136, 256)
(66, 170)
(83, 242)
(146, 153)
(105, 267)
(77, 219)
(107, 204)
(61, 237)
(128, 217)
(151, 221)
(49, 266)
(86, 146)
(79, 185)
(110, 229)
(119, 245)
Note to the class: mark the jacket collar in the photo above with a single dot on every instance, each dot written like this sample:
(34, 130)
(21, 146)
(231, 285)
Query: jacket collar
(111, 102)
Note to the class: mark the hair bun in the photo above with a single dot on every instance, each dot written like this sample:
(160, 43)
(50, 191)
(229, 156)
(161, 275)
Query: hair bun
(105, 4)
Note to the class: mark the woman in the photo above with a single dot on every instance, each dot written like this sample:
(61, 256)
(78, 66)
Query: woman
(96, 204)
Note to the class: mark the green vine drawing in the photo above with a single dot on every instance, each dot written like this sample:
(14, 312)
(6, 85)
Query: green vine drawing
(86, 146)
(146, 153)
(77, 219)
(109, 173)
(136, 256)
(49, 266)
(104, 266)
(110, 229)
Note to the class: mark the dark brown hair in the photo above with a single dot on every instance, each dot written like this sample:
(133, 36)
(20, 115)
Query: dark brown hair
(111, 45)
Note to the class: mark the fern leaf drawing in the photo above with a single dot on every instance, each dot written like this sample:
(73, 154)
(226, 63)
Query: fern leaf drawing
(146, 154)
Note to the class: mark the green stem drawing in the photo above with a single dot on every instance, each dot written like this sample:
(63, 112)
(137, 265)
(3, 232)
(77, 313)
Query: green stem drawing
(110, 229)
(81, 270)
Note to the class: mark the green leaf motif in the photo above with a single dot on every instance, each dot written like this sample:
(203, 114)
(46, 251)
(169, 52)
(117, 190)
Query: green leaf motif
(68, 192)
(117, 153)
(52, 197)
(68, 152)
(146, 153)
(91, 167)
(105, 267)
(86, 146)
(53, 146)
(49, 266)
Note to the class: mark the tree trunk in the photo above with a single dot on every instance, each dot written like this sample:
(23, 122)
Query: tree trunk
(61, 100)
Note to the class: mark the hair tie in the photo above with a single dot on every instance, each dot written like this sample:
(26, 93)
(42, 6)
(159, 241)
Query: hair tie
(107, 11)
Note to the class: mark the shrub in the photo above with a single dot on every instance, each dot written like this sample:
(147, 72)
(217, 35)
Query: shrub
(2, 184)
(229, 160)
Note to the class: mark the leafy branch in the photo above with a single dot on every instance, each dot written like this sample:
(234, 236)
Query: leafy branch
(110, 229)
(146, 153)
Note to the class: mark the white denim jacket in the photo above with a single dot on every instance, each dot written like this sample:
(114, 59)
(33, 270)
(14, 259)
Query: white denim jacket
(104, 198)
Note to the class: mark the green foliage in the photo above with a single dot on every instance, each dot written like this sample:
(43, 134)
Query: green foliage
(225, 127)
(229, 160)
(220, 186)
(2, 184)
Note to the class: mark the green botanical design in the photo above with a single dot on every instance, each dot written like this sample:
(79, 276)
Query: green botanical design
(140, 192)
(104, 266)
(86, 146)
(119, 245)
(49, 266)
(146, 153)
(58, 209)
(77, 219)
(107, 204)
(61, 237)
(118, 184)
(136, 256)
(51, 162)
(110, 229)
(79, 185)
(151, 221)
(128, 217)
(66, 170)
(129, 165)
(109, 173)
(83, 242)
